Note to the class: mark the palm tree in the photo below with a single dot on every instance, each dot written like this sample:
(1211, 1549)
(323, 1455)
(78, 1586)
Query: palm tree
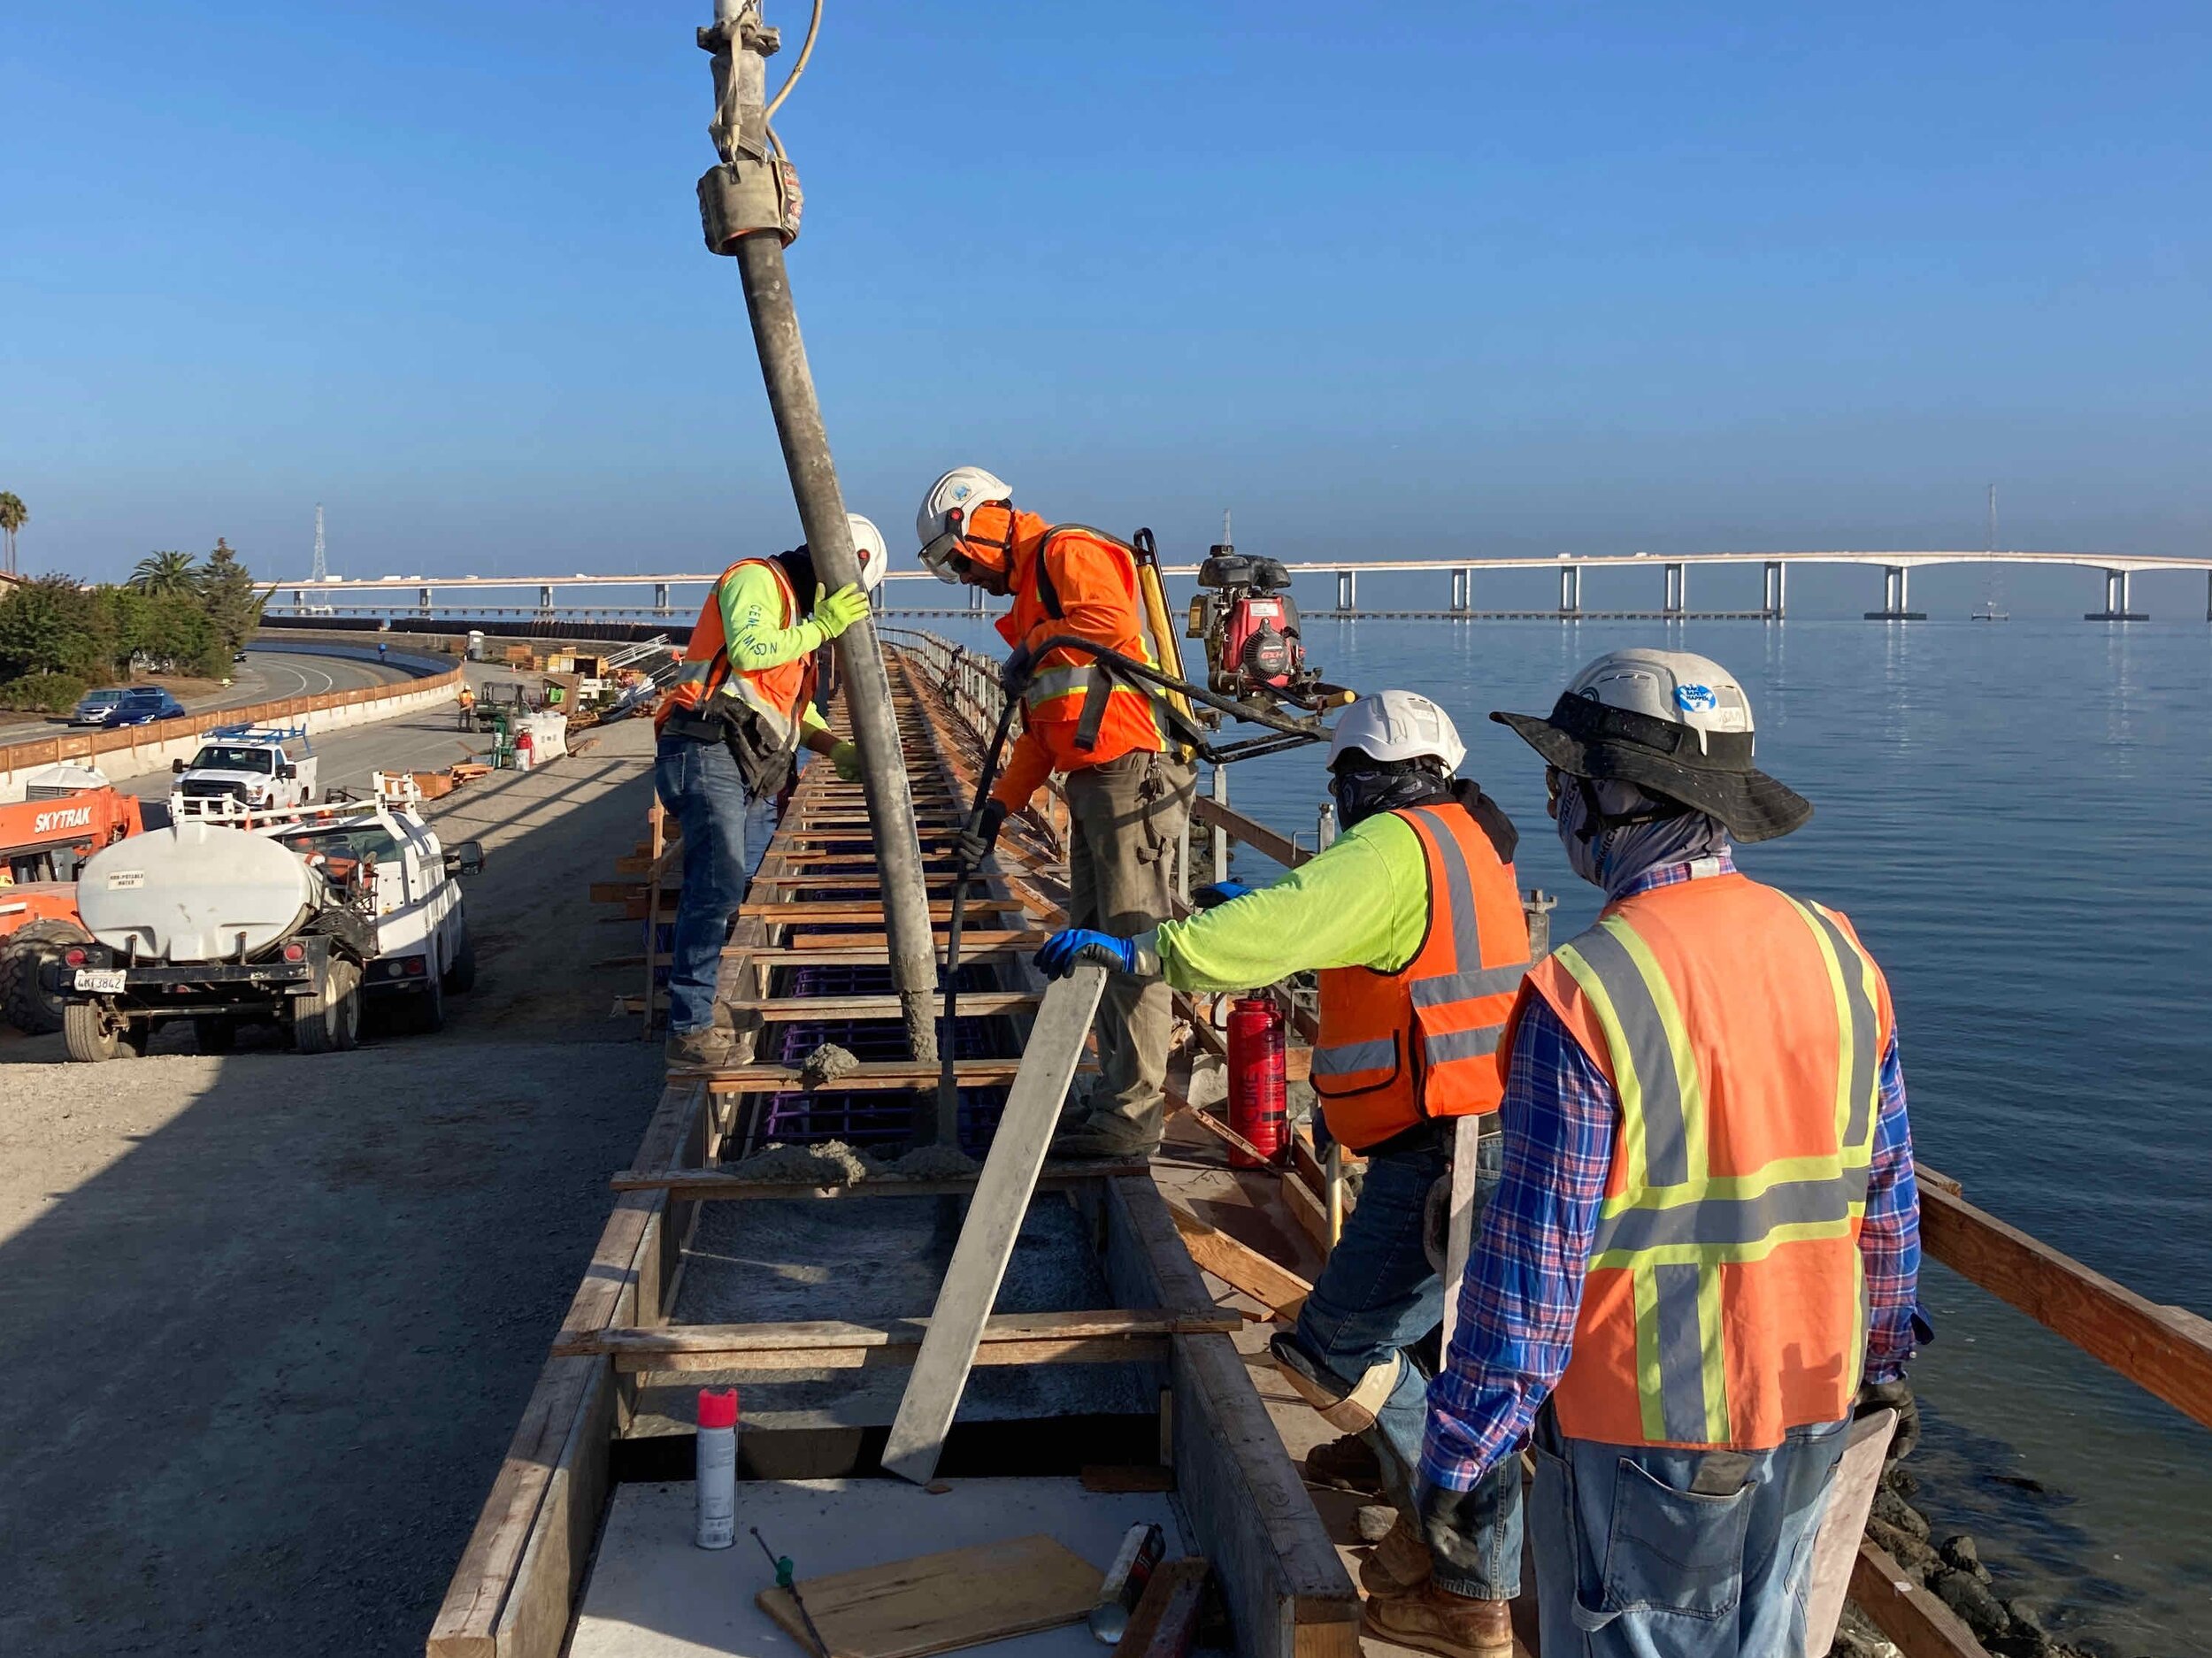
(13, 516)
(165, 574)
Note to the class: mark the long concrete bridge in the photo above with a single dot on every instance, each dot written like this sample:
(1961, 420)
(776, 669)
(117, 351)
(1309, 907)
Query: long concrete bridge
(420, 594)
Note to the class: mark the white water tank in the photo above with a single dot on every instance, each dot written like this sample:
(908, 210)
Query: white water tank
(196, 892)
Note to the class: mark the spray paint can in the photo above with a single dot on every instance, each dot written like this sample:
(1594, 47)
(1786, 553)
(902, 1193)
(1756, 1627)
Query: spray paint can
(1258, 1070)
(716, 1483)
(1139, 1553)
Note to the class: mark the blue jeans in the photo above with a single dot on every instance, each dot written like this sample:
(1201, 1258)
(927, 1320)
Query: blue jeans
(1377, 1297)
(1643, 1553)
(700, 786)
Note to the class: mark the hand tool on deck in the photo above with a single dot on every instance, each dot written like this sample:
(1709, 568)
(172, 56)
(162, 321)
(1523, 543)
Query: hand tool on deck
(786, 1582)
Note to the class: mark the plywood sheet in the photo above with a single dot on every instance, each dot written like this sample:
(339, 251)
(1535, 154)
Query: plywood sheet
(933, 1603)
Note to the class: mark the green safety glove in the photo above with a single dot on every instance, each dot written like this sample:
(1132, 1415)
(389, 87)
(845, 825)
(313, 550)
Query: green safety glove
(834, 612)
(845, 758)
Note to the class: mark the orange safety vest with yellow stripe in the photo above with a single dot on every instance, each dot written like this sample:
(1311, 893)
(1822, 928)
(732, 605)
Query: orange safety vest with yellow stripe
(1397, 1049)
(1743, 1033)
(776, 694)
(1061, 680)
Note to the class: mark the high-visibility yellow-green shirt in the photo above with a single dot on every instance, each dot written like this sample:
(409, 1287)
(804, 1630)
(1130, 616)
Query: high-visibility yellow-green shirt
(753, 637)
(1365, 903)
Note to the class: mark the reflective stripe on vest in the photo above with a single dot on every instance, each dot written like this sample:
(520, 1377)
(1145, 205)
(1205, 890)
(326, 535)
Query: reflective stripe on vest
(1675, 1227)
(1058, 688)
(1395, 1048)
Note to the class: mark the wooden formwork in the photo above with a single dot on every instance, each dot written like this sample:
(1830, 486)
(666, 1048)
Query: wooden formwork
(516, 1590)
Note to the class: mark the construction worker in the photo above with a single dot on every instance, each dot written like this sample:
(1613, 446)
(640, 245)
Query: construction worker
(729, 731)
(1128, 798)
(1413, 920)
(1702, 1259)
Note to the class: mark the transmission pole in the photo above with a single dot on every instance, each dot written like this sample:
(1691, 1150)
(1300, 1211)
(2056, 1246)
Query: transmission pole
(748, 207)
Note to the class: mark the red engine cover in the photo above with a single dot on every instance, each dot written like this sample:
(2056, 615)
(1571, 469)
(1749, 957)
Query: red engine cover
(1254, 643)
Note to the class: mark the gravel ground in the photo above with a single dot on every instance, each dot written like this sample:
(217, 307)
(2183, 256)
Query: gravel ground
(266, 1321)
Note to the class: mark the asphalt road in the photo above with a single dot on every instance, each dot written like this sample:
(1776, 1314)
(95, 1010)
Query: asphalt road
(264, 676)
(271, 1319)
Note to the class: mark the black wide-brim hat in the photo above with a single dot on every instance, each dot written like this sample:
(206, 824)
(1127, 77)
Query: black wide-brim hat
(1586, 738)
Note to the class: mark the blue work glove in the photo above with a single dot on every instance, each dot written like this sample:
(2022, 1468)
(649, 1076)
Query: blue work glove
(1070, 946)
(1218, 893)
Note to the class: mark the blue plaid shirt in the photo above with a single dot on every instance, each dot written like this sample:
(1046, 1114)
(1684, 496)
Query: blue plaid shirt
(1523, 1292)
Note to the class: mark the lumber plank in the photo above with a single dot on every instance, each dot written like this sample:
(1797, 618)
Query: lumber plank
(861, 910)
(824, 1334)
(836, 952)
(533, 1623)
(1459, 1226)
(1242, 1268)
(2160, 1349)
(1166, 1622)
(963, 1597)
(994, 1221)
(1308, 1211)
(1919, 1624)
(720, 1183)
(1256, 835)
(792, 1010)
(873, 1075)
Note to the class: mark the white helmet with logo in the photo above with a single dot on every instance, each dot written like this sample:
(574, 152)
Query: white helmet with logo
(870, 548)
(1398, 725)
(1674, 724)
(941, 523)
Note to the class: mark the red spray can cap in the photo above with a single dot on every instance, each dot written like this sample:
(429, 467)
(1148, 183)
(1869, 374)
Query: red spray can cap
(717, 1408)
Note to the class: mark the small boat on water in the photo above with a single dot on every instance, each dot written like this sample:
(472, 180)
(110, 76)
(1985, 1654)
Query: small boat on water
(1989, 612)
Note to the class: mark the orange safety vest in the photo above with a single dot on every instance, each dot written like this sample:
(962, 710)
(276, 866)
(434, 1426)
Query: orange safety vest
(1045, 560)
(1742, 1031)
(1397, 1049)
(776, 694)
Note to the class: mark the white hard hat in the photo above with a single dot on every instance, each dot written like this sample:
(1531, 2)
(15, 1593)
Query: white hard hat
(1398, 725)
(945, 510)
(1674, 724)
(870, 549)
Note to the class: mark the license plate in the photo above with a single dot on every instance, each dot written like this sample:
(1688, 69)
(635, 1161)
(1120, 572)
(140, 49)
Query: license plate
(107, 981)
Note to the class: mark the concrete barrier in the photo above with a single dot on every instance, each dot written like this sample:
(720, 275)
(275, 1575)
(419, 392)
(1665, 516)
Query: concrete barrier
(138, 749)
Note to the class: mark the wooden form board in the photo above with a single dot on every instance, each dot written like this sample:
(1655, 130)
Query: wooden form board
(1099, 1338)
(993, 1223)
(717, 1184)
(1242, 1268)
(934, 1603)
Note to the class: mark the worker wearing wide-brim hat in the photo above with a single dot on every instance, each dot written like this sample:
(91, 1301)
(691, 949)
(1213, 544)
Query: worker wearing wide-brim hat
(1701, 1258)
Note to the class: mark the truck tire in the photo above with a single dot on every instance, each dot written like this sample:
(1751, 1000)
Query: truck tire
(430, 1005)
(24, 1002)
(460, 974)
(329, 1022)
(89, 1035)
(212, 1035)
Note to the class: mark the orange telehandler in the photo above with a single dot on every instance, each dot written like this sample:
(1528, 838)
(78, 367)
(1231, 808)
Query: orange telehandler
(41, 843)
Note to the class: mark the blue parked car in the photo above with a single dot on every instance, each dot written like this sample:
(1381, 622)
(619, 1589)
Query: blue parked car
(142, 704)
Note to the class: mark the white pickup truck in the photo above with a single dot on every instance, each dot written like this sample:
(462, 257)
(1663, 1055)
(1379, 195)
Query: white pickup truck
(245, 767)
(286, 917)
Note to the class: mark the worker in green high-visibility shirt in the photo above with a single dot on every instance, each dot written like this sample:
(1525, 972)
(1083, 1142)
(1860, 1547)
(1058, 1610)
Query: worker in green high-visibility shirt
(1412, 920)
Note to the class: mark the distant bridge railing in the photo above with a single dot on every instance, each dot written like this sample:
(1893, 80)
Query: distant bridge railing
(420, 594)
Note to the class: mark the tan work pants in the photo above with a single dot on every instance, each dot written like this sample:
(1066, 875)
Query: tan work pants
(1126, 817)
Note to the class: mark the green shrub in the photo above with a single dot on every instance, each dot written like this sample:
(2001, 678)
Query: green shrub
(42, 693)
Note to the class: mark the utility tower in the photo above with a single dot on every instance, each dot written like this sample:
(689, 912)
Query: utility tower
(322, 568)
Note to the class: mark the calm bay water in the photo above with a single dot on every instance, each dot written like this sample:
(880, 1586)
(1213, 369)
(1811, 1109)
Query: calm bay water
(2018, 819)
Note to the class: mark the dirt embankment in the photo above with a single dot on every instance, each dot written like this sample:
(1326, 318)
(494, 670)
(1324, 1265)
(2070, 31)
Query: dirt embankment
(268, 1321)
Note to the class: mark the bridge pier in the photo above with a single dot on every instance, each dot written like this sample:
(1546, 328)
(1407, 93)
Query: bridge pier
(1678, 593)
(2116, 601)
(1773, 594)
(422, 601)
(1571, 593)
(660, 598)
(1896, 602)
(545, 601)
(1348, 589)
(1463, 589)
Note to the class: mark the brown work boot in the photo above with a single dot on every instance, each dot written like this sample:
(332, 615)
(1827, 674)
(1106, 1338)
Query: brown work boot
(1397, 1566)
(705, 1049)
(1436, 1621)
(1347, 1465)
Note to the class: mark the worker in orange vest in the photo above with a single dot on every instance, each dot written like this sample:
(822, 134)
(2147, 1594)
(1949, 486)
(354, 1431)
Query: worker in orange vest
(1413, 925)
(1128, 797)
(729, 731)
(1700, 1263)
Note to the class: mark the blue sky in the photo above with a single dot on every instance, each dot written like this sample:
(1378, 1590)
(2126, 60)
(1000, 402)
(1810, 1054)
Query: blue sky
(1463, 279)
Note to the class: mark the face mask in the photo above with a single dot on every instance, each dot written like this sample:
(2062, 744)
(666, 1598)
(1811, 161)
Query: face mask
(1362, 795)
(1610, 857)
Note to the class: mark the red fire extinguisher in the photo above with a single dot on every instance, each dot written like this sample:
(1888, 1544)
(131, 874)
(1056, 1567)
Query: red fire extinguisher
(1256, 1079)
